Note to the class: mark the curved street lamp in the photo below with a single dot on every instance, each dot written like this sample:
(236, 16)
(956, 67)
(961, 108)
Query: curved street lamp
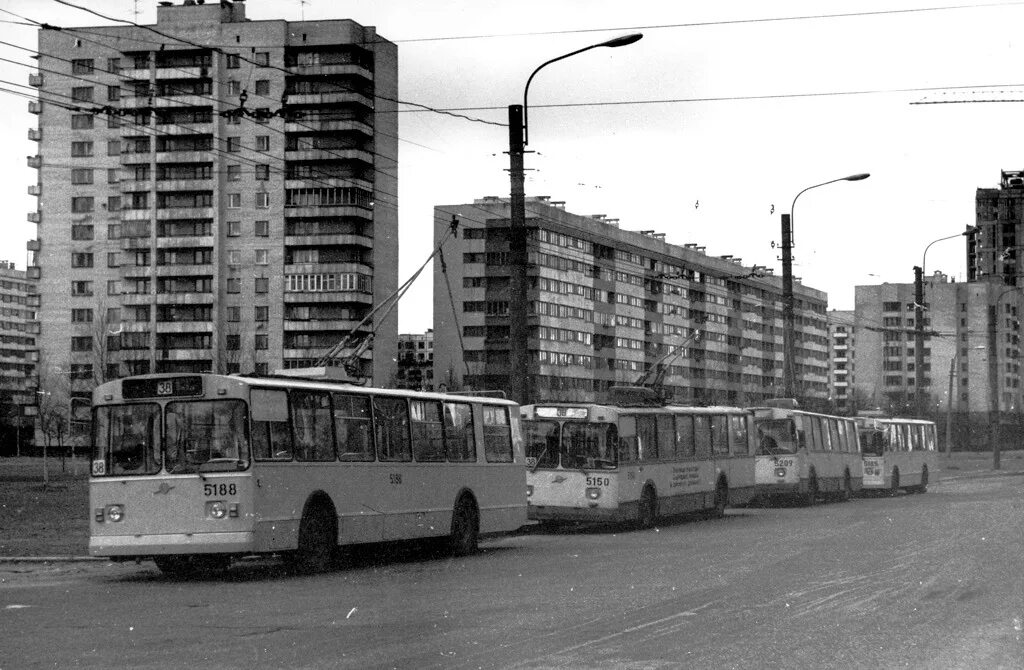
(788, 325)
(519, 361)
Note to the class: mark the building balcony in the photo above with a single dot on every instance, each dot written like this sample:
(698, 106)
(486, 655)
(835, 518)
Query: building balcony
(328, 211)
(35, 107)
(164, 102)
(184, 128)
(183, 354)
(184, 327)
(34, 217)
(305, 126)
(319, 182)
(141, 73)
(33, 272)
(180, 298)
(328, 240)
(34, 245)
(334, 68)
(184, 242)
(184, 213)
(188, 72)
(35, 189)
(329, 297)
(338, 154)
(135, 243)
(165, 185)
(204, 270)
(177, 157)
(33, 300)
(35, 134)
(35, 161)
(338, 324)
(136, 214)
(35, 79)
(330, 99)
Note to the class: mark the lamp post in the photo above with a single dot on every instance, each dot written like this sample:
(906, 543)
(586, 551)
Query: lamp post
(518, 138)
(919, 273)
(788, 325)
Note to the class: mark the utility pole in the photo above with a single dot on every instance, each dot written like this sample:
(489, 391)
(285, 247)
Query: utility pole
(518, 329)
(788, 318)
(993, 386)
(919, 396)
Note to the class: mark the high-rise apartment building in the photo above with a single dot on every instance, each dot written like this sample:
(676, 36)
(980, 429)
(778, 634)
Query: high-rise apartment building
(18, 357)
(841, 356)
(416, 361)
(962, 321)
(215, 194)
(608, 305)
(994, 243)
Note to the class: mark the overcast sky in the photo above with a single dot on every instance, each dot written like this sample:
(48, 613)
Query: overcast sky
(705, 129)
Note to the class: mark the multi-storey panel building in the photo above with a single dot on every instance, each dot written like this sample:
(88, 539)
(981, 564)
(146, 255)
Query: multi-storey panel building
(994, 244)
(220, 195)
(841, 355)
(18, 358)
(608, 305)
(416, 361)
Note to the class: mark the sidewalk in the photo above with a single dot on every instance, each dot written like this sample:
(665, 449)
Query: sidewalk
(51, 524)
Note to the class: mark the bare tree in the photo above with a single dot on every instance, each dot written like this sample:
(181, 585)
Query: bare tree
(54, 407)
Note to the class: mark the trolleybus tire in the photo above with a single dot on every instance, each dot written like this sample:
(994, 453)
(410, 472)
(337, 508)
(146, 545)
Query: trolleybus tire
(318, 539)
(190, 565)
(894, 487)
(465, 536)
(647, 512)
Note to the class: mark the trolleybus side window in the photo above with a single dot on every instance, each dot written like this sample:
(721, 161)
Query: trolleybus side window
(666, 436)
(271, 436)
(702, 436)
(684, 436)
(497, 435)
(127, 440)
(719, 435)
(817, 442)
(353, 426)
(833, 431)
(588, 445)
(314, 426)
(628, 451)
(647, 435)
(391, 423)
(738, 434)
(459, 438)
(205, 434)
(427, 430)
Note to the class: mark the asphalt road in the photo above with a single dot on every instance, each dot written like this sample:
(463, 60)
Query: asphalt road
(919, 581)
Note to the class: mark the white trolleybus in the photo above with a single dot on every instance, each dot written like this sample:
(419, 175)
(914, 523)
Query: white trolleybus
(804, 455)
(194, 469)
(898, 453)
(589, 462)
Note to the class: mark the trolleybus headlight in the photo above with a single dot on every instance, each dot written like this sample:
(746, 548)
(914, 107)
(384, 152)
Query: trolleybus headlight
(780, 472)
(529, 490)
(216, 509)
(115, 513)
(593, 493)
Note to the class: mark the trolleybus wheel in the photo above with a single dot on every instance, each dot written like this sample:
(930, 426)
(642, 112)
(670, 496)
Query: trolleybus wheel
(894, 488)
(648, 511)
(721, 499)
(465, 528)
(318, 538)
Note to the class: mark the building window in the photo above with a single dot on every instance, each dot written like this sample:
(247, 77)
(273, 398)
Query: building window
(231, 61)
(262, 87)
(262, 229)
(113, 261)
(233, 342)
(82, 121)
(262, 200)
(263, 58)
(233, 144)
(262, 257)
(261, 341)
(234, 87)
(81, 316)
(81, 231)
(262, 313)
(82, 66)
(263, 143)
(113, 175)
(82, 343)
(82, 93)
(82, 204)
(262, 284)
(234, 228)
(262, 172)
(81, 288)
(234, 172)
(80, 149)
(234, 313)
(81, 175)
(234, 200)
(234, 257)
(113, 122)
(113, 93)
(234, 285)
(81, 260)
(114, 65)
(114, 147)
(114, 287)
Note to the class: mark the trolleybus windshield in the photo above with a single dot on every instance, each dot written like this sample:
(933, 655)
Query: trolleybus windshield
(776, 436)
(577, 446)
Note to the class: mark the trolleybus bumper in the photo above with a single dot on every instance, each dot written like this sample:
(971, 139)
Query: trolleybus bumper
(175, 543)
(557, 513)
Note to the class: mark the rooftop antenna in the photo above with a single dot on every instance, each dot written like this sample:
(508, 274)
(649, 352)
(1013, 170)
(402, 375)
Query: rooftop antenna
(135, 10)
(302, 9)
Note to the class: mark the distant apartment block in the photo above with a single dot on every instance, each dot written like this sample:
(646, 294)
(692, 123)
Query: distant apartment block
(226, 201)
(841, 354)
(19, 356)
(416, 361)
(609, 305)
(994, 243)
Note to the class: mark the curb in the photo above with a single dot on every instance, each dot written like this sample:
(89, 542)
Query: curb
(50, 559)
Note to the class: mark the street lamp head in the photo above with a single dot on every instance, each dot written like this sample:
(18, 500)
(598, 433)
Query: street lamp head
(622, 41)
(858, 177)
